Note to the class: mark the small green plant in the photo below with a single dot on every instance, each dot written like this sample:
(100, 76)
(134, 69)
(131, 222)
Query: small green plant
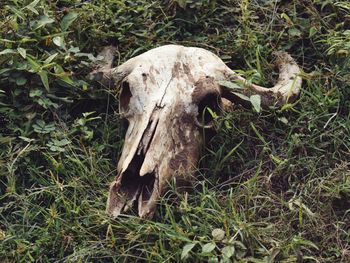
(41, 127)
(57, 145)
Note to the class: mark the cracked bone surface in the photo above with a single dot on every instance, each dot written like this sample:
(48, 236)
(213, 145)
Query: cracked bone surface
(163, 94)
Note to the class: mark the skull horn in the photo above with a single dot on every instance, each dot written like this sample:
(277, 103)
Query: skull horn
(285, 90)
(105, 73)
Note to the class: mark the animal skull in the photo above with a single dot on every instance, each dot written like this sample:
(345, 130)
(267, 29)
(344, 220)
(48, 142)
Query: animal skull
(163, 94)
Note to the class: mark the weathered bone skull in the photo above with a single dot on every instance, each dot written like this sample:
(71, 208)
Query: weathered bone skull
(163, 94)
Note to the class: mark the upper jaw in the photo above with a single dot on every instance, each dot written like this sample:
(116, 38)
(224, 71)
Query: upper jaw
(131, 189)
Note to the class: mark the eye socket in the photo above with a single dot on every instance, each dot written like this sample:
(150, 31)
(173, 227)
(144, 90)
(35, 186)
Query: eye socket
(208, 104)
(124, 97)
(124, 100)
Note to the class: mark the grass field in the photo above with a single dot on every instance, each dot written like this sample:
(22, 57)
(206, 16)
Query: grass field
(282, 196)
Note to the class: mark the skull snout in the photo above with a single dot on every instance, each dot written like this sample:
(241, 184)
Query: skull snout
(169, 147)
(166, 106)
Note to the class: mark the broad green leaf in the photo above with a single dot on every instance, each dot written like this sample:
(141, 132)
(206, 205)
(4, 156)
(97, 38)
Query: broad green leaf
(207, 248)
(33, 10)
(58, 41)
(294, 32)
(41, 127)
(305, 242)
(313, 30)
(35, 93)
(35, 65)
(21, 81)
(228, 251)
(17, 12)
(62, 142)
(229, 84)
(4, 70)
(47, 103)
(8, 51)
(62, 75)
(34, 3)
(32, 6)
(67, 20)
(57, 145)
(283, 119)
(187, 249)
(49, 65)
(256, 102)
(239, 244)
(242, 96)
(22, 52)
(13, 23)
(240, 249)
(43, 21)
(50, 58)
(27, 39)
(74, 49)
(44, 78)
(55, 148)
(26, 139)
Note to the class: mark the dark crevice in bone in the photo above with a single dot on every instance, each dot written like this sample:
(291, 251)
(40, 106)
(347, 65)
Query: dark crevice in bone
(130, 183)
(149, 132)
(160, 104)
(210, 100)
(148, 186)
(135, 187)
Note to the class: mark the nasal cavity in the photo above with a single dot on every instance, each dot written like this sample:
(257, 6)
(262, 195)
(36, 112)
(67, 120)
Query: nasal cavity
(125, 96)
(147, 182)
